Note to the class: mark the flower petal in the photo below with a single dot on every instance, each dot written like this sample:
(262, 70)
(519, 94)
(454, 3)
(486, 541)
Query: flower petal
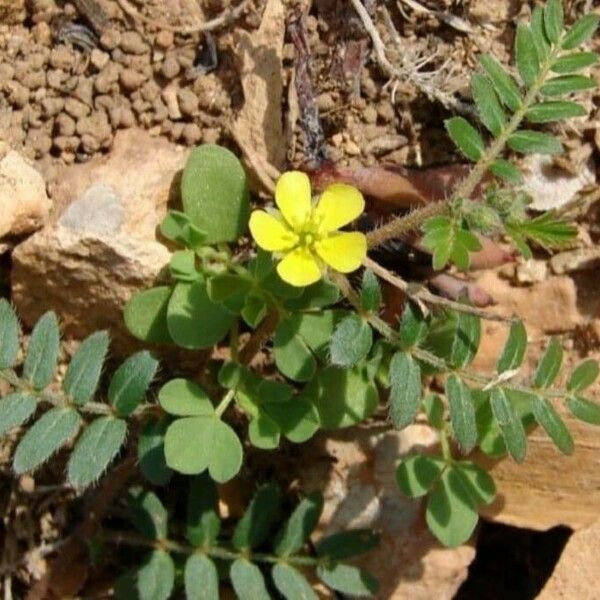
(299, 268)
(270, 233)
(293, 197)
(343, 251)
(339, 204)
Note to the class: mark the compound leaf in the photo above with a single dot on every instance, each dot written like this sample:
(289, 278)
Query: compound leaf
(553, 20)
(254, 527)
(584, 410)
(549, 365)
(15, 409)
(509, 423)
(556, 110)
(248, 581)
(503, 83)
(514, 348)
(348, 579)
(584, 375)
(462, 413)
(185, 398)
(582, 30)
(156, 577)
(417, 474)
(145, 315)
(131, 381)
(49, 433)
(95, 449)
(405, 392)
(574, 61)
(506, 170)
(466, 339)
(301, 523)
(201, 578)
(526, 55)
(347, 544)
(567, 84)
(490, 111)
(545, 414)
(534, 142)
(465, 136)
(291, 584)
(370, 291)
(42, 352)
(351, 341)
(10, 332)
(151, 451)
(83, 373)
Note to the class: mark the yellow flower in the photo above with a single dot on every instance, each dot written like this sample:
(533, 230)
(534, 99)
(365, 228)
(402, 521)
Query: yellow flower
(305, 234)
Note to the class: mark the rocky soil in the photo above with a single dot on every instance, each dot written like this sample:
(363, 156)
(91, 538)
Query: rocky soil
(100, 101)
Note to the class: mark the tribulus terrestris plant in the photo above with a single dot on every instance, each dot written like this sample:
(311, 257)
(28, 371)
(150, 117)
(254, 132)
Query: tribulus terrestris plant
(335, 360)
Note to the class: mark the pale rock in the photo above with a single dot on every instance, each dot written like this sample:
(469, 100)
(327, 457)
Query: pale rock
(576, 573)
(582, 259)
(24, 204)
(103, 246)
(532, 271)
(361, 491)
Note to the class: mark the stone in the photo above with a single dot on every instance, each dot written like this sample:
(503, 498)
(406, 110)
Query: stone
(131, 80)
(133, 43)
(188, 102)
(99, 59)
(102, 245)
(164, 39)
(12, 12)
(170, 67)
(358, 466)
(25, 204)
(576, 573)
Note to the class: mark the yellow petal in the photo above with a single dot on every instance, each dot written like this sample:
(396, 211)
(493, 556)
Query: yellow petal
(343, 251)
(299, 268)
(339, 205)
(270, 233)
(292, 196)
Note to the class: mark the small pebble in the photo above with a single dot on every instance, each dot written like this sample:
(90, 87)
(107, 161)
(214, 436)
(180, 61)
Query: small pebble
(52, 106)
(56, 78)
(110, 39)
(107, 78)
(76, 108)
(191, 134)
(150, 90)
(62, 57)
(99, 59)
(370, 114)
(34, 80)
(65, 125)
(133, 43)
(164, 39)
(170, 67)
(42, 34)
(169, 95)
(188, 102)
(131, 80)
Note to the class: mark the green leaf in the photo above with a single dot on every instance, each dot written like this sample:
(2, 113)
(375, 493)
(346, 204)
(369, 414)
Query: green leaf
(254, 310)
(194, 321)
(223, 287)
(582, 30)
(413, 325)
(42, 352)
(417, 474)
(545, 230)
(317, 328)
(292, 355)
(95, 449)
(549, 365)
(151, 452)
(182, 266)
(567, 84)
(9, 335)
(526, 55)
(263, 432)
(542, 46)
(248, 581)
(514, 348)
(490, 110)
(301, 523)
(584, 375)
(405, 392)
(16, 409)
(545, 112)
(201, 578)
(351, 341)
(83, 374)
(215, 194)
(510, 424)
(292, 585)
(297, 419)
(465, 136)
(503, 83)
(478, 483)
(348, 580)
(370, 291)
(584, 410)
(202, 521)
(185, 398)
(466, 339)
(318, 295)
(506, 170)
(553, 20)
(575, 61)
(451, 514)
(534, 142)
(51, 431)
(546, 415)
(347, 544)
(462, 413)
(145, 315)
(342, 397)
(193, 444)
(155, 578)
(260, 516)
(173, 226)
(131, 381)
(148, 514)
(434, 409)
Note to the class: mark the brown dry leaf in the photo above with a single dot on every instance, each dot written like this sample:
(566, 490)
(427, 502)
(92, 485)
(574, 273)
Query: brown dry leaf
(259, 129)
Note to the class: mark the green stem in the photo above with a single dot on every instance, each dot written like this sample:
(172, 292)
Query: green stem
(221, 552)
(225, 402)
(406, 223)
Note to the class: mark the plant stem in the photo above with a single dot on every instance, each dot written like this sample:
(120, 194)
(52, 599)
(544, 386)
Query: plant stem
(225, 402)
(133, 539)
(406, 223)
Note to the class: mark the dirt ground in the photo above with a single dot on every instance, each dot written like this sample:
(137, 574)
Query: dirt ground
(74, 73)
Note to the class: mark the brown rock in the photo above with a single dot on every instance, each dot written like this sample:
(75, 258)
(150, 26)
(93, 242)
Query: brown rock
(56, 78)
(96, 125)
(52, 106)
(42, 33)
(164, 39)
(170, 67)
(84, 91)
(191, 134)
(18, 95)
(110, 39)
(25, 204)
(12, 12)
(131, 80)
(99, 59)
(188, 102)
(150, 90)
(76, 108)
(66, 143)
(34, 80)
(107, 78)
(576, 573)
(62, 57)
(133, 43)
(360, 491)
(65, 124)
